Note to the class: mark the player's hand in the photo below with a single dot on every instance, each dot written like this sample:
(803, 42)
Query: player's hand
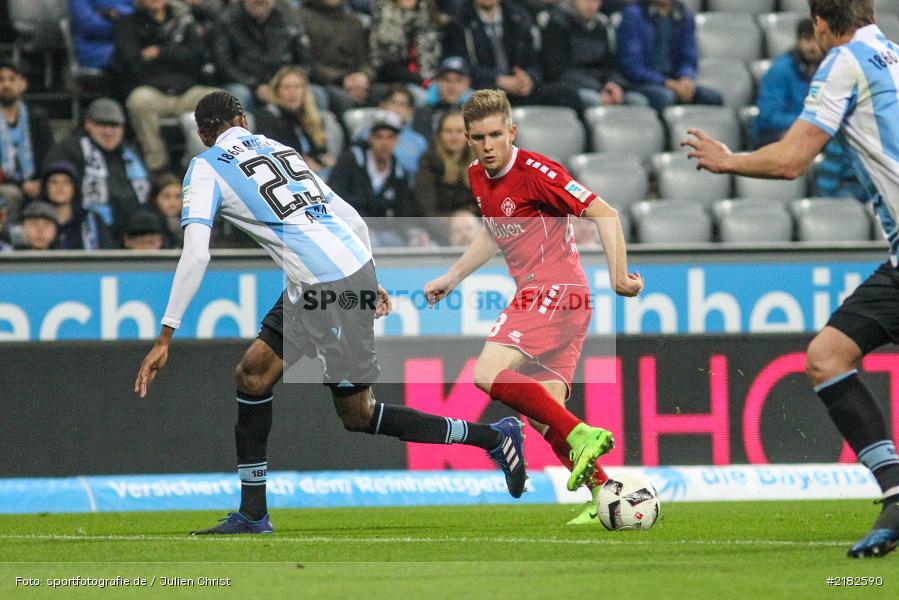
(384, 305)
(152, 364)
(438, 289)
(712, 155)
(630, 286)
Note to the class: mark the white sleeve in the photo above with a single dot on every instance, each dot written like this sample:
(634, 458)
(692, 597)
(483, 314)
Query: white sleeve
(348, 215)
(201, 195)
(190, 272)
(833, 92)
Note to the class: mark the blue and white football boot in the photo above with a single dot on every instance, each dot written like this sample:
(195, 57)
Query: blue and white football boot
(509, 455)
(236, 523)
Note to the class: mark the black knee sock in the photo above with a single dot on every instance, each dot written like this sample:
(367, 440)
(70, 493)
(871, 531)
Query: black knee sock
(859, 418)
(411, 425)
(254, 422)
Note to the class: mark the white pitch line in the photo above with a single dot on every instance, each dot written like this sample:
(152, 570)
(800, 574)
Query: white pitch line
(416, 540)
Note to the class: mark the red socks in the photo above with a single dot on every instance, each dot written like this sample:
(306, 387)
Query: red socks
(531, 399)
(560, 448)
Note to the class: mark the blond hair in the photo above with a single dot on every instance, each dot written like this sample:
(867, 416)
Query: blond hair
(486, 103)
(310, 118)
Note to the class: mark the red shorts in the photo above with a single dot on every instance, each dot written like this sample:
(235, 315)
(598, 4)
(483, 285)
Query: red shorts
(548, 323)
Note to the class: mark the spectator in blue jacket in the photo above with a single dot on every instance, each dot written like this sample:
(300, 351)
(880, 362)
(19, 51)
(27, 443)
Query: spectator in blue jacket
(657, 54)
(92, 29)
(783, 90)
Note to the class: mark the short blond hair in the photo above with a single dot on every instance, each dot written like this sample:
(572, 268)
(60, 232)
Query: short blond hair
(486, 103)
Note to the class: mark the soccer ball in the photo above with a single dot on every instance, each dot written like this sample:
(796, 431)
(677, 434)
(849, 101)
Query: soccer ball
(628, 501)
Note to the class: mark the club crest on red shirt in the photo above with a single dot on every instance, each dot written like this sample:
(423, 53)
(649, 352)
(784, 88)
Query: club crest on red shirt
(508, 207)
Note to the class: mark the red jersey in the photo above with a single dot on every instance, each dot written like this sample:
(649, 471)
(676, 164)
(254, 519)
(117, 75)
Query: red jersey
(526, 208)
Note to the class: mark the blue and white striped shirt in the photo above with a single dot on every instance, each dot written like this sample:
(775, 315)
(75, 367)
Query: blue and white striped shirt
(854, 94)
(266, 189)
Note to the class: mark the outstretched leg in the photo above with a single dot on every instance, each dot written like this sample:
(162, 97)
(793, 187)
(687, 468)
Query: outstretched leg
(359, 411)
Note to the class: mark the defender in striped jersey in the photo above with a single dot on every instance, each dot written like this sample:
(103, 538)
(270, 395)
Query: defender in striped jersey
(855, 97)
(321, 243)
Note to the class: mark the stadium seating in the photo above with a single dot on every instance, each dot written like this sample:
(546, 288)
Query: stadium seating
(672, 222)
(37, 24)
(759, 68)
(750, 221)
(775, 189)
(678, 179)
(357, 120)
(728, 76)
(551, 130)
(747, 114)
(831, 220)
(634, 130)
(889, 25)
(618, 179)
(694, 5)
(800, 6)
(753, 7)
(780, 31)
(728, 35)
(886, 6)
(716, 121)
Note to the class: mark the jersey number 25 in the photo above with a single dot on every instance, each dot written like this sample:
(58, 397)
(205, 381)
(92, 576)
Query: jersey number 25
(276, 191)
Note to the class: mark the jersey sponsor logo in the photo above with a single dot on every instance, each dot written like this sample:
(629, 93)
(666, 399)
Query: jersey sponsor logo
(501, 231)
(578, 191)
(815, 91)
(508, 207)
(185, 196)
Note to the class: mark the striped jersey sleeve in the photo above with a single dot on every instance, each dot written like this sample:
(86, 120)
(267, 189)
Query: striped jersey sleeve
(201, 195)
(833, 92)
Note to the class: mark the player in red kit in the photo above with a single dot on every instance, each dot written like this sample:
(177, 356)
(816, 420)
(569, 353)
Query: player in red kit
(531, 353)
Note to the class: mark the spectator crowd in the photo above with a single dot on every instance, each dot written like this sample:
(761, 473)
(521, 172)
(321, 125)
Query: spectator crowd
(114, 182)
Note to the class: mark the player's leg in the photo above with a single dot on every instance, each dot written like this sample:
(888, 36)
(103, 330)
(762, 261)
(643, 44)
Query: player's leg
(359, 411)
(832, 358)
(496, 373)
(867, 319)
(255, 377)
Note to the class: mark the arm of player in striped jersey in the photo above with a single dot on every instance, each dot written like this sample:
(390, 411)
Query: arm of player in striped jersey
(189, 274)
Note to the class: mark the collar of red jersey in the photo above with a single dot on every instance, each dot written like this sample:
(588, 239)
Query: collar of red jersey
(232, 132)
(508, 166)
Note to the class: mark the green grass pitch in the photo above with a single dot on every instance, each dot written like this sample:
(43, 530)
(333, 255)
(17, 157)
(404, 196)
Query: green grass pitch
(756, 550)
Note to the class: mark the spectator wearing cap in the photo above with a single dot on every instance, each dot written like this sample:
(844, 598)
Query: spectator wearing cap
(448, 91)
(253, 39)
(144, 231)
(411, 144)
(159, 60)
(25, 138)
(92, 27)
(369, 177)
(78, 229)
(114, 182)
(39, 227)
(441, 184)
(577, 49)
(405, 40)
(496, 38)
(658, 55)
(5, 246)
(338, 52)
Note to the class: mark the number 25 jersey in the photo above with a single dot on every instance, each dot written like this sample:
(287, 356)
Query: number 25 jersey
(266, 190)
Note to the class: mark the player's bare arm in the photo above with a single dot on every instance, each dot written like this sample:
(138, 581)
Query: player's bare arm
(481, 250)
(787, 159)
(612, 236)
